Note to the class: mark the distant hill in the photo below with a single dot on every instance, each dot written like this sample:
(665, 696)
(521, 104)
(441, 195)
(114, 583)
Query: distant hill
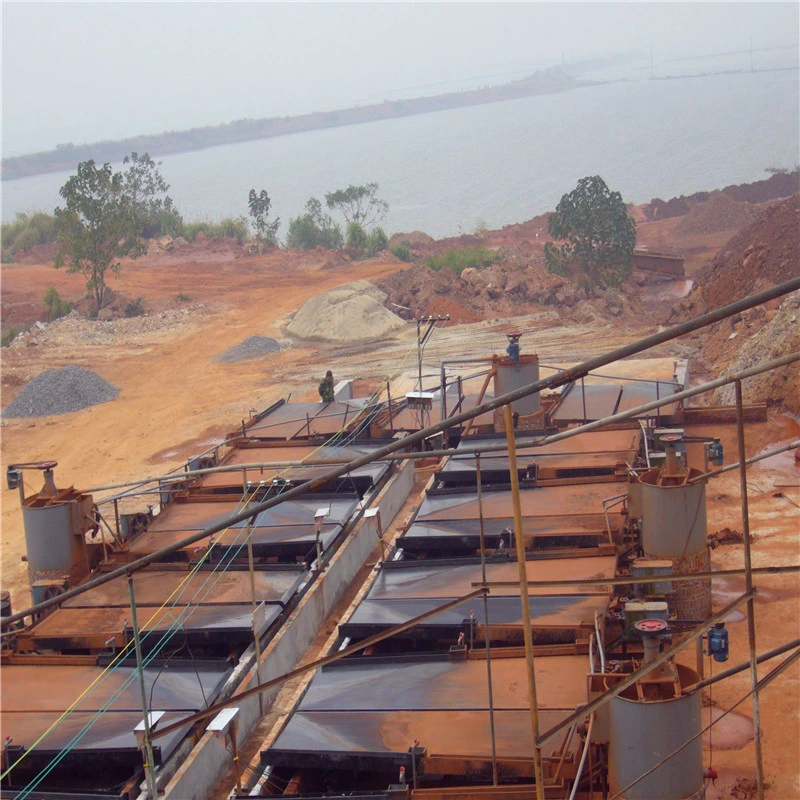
(66, 156)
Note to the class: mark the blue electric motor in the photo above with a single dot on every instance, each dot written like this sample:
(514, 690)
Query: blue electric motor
(715, 453)
(513, 345)
(718, 642)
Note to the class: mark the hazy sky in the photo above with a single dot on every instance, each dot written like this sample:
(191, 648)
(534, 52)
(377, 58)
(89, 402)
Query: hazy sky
(82, 72)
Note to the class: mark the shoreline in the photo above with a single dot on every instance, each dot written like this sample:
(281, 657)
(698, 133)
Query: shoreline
(66, 156)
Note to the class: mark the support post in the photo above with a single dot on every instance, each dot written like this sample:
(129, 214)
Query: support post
(748, 582)
(486, 620)
(149, 766)
(256, 637)
(526, 609)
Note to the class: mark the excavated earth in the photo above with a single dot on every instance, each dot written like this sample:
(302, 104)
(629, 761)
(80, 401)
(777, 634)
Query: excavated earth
(182, 383)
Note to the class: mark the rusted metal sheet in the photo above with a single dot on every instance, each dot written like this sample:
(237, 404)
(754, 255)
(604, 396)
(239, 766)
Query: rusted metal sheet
(412, 579)
(586, 403)
(444, 685)
(107, 748)
(217, 626)
(55, 688)
(463, 536)
(363, 477)
(287, 529)
(363, 714)
(637, 394)
(548, 501)
(553, 617)
(373, 739)
(306, 420)
(153, 587)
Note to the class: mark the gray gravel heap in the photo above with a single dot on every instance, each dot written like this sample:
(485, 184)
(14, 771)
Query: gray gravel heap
(60, 391)
(251, 347)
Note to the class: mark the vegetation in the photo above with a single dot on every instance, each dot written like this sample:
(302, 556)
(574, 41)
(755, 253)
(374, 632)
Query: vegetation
(359, 204)
(147, 190)
(402, 251)
(266, 231)
(227, 228)
(314, 229)
(8, 335)
(182, 298)
(460, 259)
(365, 245)
(56, 307)
(599, 236)
(105, 216)
(26, 231)
(134, 308)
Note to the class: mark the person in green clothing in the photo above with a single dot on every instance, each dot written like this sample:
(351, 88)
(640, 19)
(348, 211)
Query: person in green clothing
(326, 388)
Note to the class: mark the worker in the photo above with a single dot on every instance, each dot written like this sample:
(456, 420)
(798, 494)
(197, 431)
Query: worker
(326, 388)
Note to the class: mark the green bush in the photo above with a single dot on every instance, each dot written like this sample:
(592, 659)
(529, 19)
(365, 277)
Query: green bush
(26, 231)
(135, 308)
(56, 307)
(8, 335)
(403, 252)
(182, 298)
(228, 228)
(462, 258)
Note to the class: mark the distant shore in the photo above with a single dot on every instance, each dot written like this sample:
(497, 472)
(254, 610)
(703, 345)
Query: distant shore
(66, 156)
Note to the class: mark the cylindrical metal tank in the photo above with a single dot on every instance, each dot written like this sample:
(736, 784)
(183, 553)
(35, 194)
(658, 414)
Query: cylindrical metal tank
(642, 733)
(511, 375)
(5, 603)
(673, 517)
(54, 541)
(674, 527)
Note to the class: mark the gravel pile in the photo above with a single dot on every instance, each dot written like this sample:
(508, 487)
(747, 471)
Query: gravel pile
(60, 391)
(251, 347)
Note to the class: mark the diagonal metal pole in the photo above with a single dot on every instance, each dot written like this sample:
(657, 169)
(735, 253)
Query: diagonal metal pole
(748, 584)
(526, 608)
(149, 766)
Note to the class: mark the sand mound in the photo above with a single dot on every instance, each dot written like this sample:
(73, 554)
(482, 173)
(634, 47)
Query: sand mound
(60, 391)
(348, 314)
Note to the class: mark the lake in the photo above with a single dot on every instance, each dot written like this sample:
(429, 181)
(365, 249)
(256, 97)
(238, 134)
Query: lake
(449, 172)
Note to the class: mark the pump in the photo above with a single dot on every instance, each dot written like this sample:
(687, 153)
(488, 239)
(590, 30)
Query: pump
(718, 642)
(513, 345)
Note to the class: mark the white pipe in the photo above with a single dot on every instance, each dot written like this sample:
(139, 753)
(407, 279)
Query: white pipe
(599, 643)
(591, 653)
(583, 759)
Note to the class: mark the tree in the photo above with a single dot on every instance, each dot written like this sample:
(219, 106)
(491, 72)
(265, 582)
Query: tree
(359, 204)
(99, 225)
(144, 186)
(314, 229)
(266, 232)
(599, 235)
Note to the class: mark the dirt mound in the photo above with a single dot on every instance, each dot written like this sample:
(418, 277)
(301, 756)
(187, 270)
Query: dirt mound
(349, 314)
(780, 185)
(719, 213)
(765, 253)
(771, 335)
(60, 391)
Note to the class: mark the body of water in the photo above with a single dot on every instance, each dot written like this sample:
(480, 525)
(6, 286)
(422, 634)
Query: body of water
(449, 172)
